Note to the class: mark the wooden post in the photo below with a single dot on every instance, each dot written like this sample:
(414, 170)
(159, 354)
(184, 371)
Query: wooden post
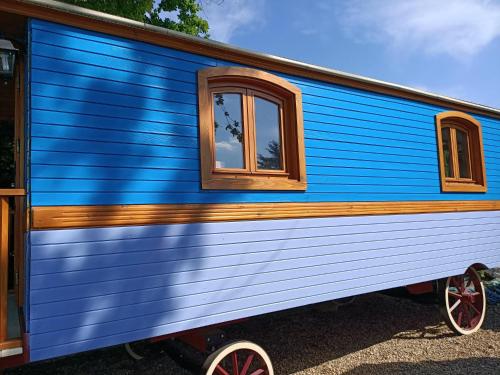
(4, 262)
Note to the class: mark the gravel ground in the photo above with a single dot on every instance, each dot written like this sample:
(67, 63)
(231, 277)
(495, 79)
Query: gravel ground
(377, 334)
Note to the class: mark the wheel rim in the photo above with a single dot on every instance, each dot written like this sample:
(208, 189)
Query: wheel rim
(465, 301)
(242, 358)
(242, 362)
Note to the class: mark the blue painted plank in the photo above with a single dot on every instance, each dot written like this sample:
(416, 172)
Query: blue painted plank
(333, 107)
(339, 143)
(315, 139)
(108, 86)
(75, 42)
(79, 185)
(428, 132)
(364, 103)
(337, 112)
(89, 95)
(57, 158)
(116, 173)
(333, 91)
(125, 137)
(321, 174)
(174, 185)
(112, 148)
(59, 199)
(326, 129)
(61, 66)
(110, 40)
(366, 172)
(82, 107)
(51, 117)
(109, 62)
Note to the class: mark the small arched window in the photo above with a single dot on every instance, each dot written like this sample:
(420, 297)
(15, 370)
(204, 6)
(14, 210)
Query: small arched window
(251, 132)
(461, 156)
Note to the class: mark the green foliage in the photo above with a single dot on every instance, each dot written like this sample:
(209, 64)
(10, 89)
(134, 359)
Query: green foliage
(187, 13)
(232, 126)
(153, 12)
(272, 162)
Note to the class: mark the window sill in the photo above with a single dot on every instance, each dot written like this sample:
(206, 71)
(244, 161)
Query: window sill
(463, 187)
(252, 183)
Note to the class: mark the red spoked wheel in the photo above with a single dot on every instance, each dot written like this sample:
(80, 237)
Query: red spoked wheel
(464, 302)
(238, 358)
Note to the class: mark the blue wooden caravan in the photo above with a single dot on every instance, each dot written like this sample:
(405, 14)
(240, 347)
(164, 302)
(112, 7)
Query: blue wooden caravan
(158, 184)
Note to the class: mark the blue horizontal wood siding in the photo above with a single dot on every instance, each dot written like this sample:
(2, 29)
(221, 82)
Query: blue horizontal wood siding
(114, 121)
(96, 287)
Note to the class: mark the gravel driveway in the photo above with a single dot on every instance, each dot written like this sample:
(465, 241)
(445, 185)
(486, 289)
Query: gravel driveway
(377, 334)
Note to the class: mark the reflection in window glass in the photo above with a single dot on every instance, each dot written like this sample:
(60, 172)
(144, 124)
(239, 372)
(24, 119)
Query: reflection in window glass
(463, 154)
(446, 151)
(228, 125)
(267, 129)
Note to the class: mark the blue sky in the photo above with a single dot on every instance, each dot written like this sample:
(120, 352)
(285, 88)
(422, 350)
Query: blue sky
(449, 47)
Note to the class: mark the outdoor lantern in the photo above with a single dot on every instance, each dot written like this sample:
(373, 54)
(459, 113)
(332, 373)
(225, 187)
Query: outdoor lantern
(7, 58)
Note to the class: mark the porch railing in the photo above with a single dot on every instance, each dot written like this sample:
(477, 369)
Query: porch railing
(5, 197)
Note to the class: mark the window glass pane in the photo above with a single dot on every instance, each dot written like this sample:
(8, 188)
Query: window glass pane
(268, 138)
(445, 132)
(228, 125)
(463, 154)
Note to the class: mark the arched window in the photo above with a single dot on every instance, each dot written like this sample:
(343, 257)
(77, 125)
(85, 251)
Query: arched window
(461, 157)
(251, 132)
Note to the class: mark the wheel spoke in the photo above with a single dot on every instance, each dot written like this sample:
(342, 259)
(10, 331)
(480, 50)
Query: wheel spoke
(453, 294)
(474, 308)
(455, 305)
(459, 318)
(467, 315)
(258, 372)
(221, 371)
(475, 320)
(248, 363)
(236, 370)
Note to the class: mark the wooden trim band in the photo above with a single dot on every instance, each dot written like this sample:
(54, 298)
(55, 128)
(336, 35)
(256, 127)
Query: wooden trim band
(51, 11)
(12, 192)
(102, 216)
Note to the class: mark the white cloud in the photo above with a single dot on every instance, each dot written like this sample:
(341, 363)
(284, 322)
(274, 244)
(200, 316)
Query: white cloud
(227, 17)
(460, 28)
(227, 146)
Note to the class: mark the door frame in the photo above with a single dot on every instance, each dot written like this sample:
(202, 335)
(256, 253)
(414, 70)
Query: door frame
(19, 223)
(20, 214)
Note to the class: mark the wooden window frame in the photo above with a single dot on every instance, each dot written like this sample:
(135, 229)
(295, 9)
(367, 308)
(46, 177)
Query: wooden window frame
(252, 83)
(462, 121)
